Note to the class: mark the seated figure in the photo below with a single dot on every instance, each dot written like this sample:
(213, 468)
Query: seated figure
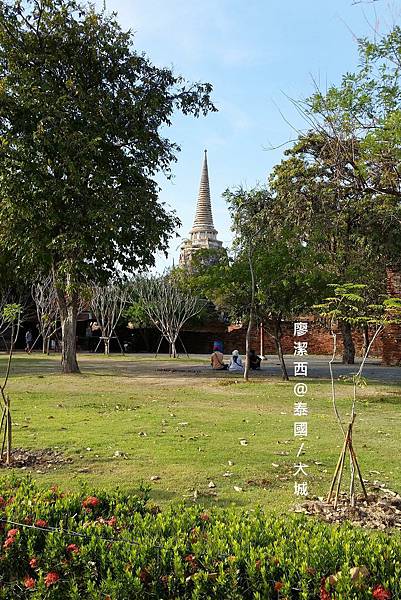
(254, 360)
(236, 363)
(217, 360)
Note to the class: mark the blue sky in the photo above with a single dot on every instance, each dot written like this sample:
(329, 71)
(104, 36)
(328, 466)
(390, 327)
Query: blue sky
(256, 53)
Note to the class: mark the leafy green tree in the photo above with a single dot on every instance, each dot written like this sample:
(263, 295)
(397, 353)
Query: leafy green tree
(286, 271)
(81, 114)
(220, 277)
(358, 128)
(331, 218)
(287, 278)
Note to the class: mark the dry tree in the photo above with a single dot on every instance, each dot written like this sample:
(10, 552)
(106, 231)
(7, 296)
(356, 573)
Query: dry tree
(168, 307)
(47, 310)
(107, 303)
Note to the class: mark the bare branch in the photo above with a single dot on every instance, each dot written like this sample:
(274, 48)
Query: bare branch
(47, 309)
(107, 303)
(167, 306)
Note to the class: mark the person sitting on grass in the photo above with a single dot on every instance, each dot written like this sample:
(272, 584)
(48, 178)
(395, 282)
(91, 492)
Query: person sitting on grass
(254, 360)
(236, 363)
(217, 360)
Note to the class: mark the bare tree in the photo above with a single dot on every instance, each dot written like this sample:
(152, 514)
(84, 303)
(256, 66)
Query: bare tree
(107, 303)
(168, 307)
(45, 297)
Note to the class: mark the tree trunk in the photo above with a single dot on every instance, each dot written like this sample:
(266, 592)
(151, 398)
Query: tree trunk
(68, 305)
(251, 311)
(106, 346)
(279, 348)
(69, 362)
(348, 344)
(173, 350)
(248, 347)
(366, 340)
(262, 341)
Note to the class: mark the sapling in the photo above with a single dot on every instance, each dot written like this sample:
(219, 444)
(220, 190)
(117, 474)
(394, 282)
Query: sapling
(11, 314)
(348, 305)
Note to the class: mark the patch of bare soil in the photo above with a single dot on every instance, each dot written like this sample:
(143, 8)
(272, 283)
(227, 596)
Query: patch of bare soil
(41, 460)
(383, 510)
(263, 483)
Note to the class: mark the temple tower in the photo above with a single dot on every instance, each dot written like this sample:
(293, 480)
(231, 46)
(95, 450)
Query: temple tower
(203, 234)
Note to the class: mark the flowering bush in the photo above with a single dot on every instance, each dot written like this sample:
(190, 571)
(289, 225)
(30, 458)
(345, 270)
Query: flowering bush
(380, 593)
(120, 547)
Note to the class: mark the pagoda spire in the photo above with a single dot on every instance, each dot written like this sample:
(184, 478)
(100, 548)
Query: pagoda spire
(203, 215)
(203, 235)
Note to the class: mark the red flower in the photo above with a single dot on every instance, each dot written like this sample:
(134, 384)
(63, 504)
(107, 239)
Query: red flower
(41, 523)
(90, 502)
(9, 542)
(33, 563)
(12, 533)
(204, 517)
(72, 548)
(258, 564)
(192, 562)
(29, 582)
(324, 594)
(278, 585)
(190, 558)
(112, 521)
(2, 501)
(51, 578)
(380, 593)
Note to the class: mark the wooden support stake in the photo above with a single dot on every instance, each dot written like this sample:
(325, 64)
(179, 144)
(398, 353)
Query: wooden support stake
(9, 433)
(336, 470)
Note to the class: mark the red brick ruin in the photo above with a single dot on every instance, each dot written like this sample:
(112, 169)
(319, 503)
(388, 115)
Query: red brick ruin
(392, 333)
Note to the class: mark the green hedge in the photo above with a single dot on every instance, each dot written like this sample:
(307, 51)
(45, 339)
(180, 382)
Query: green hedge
(181, 552)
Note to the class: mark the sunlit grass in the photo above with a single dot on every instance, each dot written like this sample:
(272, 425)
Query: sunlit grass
(124, 420)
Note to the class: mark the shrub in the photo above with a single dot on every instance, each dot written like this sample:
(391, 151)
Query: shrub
(125, 548)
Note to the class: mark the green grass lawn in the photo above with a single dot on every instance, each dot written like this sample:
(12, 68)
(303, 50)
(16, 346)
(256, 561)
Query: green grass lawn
(193, 425)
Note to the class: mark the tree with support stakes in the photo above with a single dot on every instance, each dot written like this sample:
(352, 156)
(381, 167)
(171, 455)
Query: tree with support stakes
(348, 304)
(11, 314)
(107, 303)
(168, 307)
(83, 116)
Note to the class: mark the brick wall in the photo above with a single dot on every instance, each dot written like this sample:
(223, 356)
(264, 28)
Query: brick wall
(392, 333)
(319, 341)
(233, 338)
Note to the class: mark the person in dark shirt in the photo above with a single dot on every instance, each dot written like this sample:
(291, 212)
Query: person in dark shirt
(254, 360)
(28, 341)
